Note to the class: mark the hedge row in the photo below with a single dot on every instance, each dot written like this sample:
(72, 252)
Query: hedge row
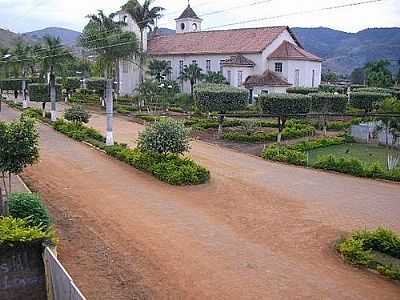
(40, 92)
(168, 168)
(220, 98)
(12, 84)
(361, 248)
(367, 101)
(285, 104)
(296, 154)
(302, 90)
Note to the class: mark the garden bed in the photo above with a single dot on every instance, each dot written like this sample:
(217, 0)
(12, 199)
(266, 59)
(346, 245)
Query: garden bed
(377, 250)
(304, 154)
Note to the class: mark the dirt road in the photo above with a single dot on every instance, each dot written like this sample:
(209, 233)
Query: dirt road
(258, 230)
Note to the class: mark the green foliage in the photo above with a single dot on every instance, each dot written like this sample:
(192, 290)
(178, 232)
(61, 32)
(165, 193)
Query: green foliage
(285, 104)
(11, 84)
(328, 103)
(220, 98)
(193, 74)
(378, 74)
(166, 136)
(16, 231)
(71, 83)
(77, 114)
(204, 124)
(331, 88)
(215, 77)
(367, 101)
(339, 125)
(283, 154)
(30, 207)
(78, 131)
(169, 168)
(39, 92)
(360, 248)
(98, 85)
(302, 90)
(19, 145)
(255, 137)
(159, 69)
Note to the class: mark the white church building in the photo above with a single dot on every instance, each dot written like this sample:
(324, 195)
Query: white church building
(267, 59)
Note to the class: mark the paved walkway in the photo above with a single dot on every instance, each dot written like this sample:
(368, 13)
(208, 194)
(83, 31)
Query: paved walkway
(258, 230)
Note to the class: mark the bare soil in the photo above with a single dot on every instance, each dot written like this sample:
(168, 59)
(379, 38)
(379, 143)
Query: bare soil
(257, 230)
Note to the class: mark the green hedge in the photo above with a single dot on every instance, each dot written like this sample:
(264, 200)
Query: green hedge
(168, 168)
(71, 83)
(328, 103)
(367, 101)
(220, 98)
(18, 231)
(12, 84)
(39, 92)
(29, 206)
(204, 124)
(361, 248)
(96, 84)
(301, 90)
(331, 88)
(285, 104)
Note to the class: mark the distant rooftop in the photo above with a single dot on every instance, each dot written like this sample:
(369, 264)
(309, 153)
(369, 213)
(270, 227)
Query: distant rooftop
(188, 13)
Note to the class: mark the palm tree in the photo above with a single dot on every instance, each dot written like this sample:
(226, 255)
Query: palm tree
(23, 61)
(145, 17)
(53, 56)
(159, 69)
(193, 74)
(106, 38)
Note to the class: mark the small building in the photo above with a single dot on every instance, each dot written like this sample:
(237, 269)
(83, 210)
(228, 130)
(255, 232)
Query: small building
(266, 59)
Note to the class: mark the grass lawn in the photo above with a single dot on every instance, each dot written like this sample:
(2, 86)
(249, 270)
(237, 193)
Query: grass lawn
(366, 153)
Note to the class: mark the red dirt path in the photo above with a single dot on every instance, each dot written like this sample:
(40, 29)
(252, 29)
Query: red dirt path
(258, 230)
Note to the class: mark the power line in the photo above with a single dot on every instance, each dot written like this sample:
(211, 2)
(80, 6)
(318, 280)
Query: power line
(296, 13)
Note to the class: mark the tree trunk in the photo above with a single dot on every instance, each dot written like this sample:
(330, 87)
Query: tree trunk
(325, 126)
(279, 137)
(220, 125)
(24, 98)
(141, 63)
(109, 112)
(53, 95)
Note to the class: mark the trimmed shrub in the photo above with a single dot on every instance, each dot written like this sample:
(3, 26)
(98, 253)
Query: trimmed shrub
(256, 137)
(344, 165)
(71, 83)
(77, 131)
(12, 84)
(301, 90)
(169, 168)
(361, 246)
(220, 98)
(283, 154)
(284, 104)
(367, 101)
(165, 136)
(77, 114)
(328, 103)
(96, 84)
(16, 231)
(330, 88)
(30, 207)
(39, 92)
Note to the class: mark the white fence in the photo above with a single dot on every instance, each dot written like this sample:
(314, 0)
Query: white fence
(60, 285)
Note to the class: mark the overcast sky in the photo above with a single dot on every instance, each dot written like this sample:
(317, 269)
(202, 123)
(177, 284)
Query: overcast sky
(29, 15)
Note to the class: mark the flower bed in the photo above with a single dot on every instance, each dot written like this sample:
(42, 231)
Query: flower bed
(297, 155)
(378, 250)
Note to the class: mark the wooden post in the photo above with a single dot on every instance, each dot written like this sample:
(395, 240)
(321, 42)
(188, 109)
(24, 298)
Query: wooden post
(3, 203)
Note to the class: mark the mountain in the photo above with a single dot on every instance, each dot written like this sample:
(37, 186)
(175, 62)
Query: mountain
(9, 39)
(343, 52)
(68, 37)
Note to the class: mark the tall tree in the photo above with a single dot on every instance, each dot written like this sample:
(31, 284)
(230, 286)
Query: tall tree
(23, 61)
(145, 17)
(53, 56)
(106, 38)
(193, 74)
(159, 69)
(378, 74)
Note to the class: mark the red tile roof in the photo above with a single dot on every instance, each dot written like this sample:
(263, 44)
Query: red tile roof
(289, 51)
(269, 78)
(248, 40)
(239, 60)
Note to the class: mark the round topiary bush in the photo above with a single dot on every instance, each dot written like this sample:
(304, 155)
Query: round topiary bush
(27, 205)
(166, 136)
(77, 114)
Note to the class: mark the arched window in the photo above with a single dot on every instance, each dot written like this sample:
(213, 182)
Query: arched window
(126, 19)
(182, 26)
(194, 27)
